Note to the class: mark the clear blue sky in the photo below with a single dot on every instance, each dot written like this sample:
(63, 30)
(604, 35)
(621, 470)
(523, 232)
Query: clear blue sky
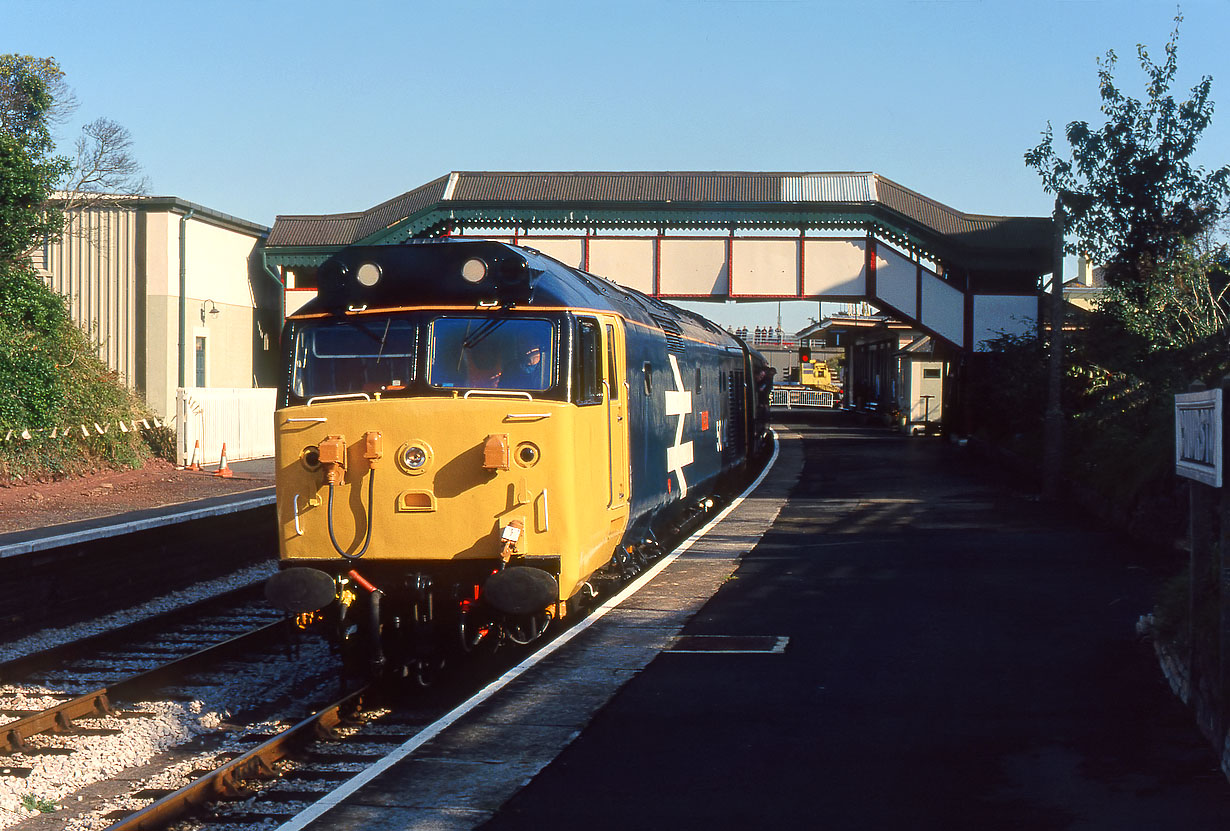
(262, 107)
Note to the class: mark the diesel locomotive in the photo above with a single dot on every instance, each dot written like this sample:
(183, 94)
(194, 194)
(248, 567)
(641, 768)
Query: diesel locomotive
(471, 435)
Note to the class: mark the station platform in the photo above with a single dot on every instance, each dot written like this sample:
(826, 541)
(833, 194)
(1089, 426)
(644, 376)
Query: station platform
(116, 516)
(79, 548)
(879, 636)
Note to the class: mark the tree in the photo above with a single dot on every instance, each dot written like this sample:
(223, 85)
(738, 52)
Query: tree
(1133, 197)
(50, 375)
(104, 168)
(29, 173)
(34, 97)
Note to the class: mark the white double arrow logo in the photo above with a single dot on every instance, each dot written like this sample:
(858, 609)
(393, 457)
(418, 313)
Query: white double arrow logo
(678, 403)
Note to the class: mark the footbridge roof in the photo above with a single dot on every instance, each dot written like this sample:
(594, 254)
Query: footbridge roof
(665, 201)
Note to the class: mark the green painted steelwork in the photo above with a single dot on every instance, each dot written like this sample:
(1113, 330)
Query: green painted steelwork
(436, 221)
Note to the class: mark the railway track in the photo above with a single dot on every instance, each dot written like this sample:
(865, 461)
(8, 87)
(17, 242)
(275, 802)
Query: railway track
(266, 761)
(241, 603)
(251, 772)
(273, 780)
(98, 702)
(78, 714)
(269, 778)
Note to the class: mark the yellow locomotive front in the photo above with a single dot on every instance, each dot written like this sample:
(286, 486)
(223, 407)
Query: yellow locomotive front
(447, 471)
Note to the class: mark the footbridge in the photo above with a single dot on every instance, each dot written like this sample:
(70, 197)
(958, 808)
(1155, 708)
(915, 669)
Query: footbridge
(962, 278)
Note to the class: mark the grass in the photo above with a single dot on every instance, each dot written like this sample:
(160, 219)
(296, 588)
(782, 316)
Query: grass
(31, 802)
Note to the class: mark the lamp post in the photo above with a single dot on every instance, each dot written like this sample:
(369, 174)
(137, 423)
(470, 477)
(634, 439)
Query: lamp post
(1052, 440)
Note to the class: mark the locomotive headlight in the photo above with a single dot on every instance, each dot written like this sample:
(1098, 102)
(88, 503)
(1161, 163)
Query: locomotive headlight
(413, 457)
(474, 270)
(368, 274)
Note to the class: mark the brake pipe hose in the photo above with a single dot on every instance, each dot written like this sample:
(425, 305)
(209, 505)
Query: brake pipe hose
(367, 539)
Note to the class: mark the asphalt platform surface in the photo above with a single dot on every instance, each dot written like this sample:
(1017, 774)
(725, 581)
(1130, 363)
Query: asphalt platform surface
(959, 657)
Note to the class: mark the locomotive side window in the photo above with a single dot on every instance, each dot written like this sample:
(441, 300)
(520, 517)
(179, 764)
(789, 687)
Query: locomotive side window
(354, 356)
(587, 368)
(491, 353)
(611, 375)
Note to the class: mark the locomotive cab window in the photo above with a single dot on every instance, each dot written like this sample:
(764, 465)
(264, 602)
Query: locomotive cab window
(375, 355)
(587, 366)
(611, 374)
(489, 353)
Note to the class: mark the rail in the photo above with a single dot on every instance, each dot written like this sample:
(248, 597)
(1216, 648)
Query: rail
(791, 398)
(97, 703)
(257, 763)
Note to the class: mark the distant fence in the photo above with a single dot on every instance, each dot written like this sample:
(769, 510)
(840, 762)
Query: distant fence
(789, 398)
(240, 418)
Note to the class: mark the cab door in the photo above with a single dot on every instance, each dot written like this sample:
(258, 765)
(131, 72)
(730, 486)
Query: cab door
(601, 433)
(616, 394)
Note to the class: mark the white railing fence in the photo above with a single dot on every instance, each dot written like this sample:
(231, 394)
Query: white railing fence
(801, 398)
(240, 418)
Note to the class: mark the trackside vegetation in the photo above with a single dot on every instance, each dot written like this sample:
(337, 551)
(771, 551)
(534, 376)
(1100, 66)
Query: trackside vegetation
(1155, 222)
(52, 383)
(1140, 207)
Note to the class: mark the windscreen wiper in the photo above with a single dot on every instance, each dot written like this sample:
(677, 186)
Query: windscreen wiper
(482, 332)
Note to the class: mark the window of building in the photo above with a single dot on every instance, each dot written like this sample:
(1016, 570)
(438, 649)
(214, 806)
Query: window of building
(200, 360)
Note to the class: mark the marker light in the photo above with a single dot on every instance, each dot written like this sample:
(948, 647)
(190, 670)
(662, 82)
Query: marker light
(474, 270)
(368, 274)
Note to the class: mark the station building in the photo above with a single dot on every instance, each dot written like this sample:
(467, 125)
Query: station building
(132, 269)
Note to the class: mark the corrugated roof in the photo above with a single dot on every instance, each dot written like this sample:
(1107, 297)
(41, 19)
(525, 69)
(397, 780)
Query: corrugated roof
(327, 229)
(617, 187)
(829, 187)
(398, 208)
(926, 211)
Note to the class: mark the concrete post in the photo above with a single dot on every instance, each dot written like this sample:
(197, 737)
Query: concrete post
(1223, 586)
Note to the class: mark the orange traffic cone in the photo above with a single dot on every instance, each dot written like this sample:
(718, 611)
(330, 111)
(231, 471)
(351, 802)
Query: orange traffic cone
(223, 469)
(196, 451)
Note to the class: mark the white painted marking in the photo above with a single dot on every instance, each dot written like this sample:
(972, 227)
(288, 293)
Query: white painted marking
(130, 527)
(780, 642)
(350, 786)
(678, 403)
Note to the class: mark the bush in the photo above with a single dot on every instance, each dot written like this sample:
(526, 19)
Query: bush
(52, 383)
